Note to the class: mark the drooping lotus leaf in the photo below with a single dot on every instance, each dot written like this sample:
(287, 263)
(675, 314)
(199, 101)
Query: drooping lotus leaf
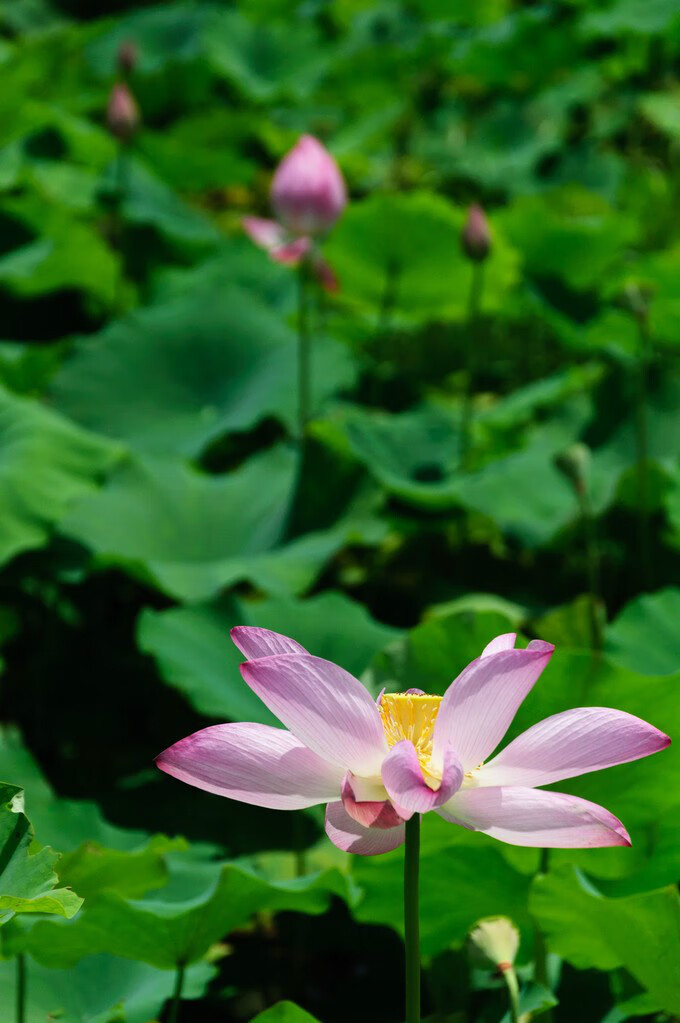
(165, 933)
(28, 882)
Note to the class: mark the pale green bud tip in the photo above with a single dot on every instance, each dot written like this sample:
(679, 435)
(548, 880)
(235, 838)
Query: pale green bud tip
(495, 942)
(573, 463)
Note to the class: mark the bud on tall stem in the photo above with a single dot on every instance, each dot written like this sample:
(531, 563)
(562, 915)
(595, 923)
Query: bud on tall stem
(122, 113)
(308, 190)
(476, 236)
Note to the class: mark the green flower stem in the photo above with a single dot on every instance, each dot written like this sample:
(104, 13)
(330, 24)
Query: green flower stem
(540, 948)
(642, 450)
(411, 919)
(474, 305)
(510, 978)
(21, 988)
(592, 568)
(120, 191)
(304, 349)
(173, 1012)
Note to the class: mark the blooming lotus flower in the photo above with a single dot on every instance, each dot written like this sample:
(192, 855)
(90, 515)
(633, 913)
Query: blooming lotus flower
(377, 763)
(308, 195)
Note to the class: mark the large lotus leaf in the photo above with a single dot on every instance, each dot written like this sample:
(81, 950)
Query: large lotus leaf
(409, 246)
(173, 377)
(65, 823)
(640, 932)
(194, 652)
(644, 635)
(193, 535)
(147, 200)
(639, 17)
(92, 869)
(99, 989)
(69, 254)
(268, 58)
(461, 881)
(164, 933)
(239, 262)
(416, 455)
(163, 35)
(284, 1012)
(568, 233)
(27, 877)
(201, 151)
(46, 464)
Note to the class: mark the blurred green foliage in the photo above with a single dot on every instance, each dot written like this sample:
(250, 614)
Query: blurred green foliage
(152, 494)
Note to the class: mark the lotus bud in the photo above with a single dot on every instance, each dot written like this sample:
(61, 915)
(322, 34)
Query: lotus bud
(308, 190)
(494, 942)
(573, 463)
(122, 113)
(476, 236)
(127, 56)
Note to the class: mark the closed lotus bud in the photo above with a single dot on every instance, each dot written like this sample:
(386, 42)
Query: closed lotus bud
(573, 463)
(494, 942)
(122, 113)
(476, 236)
(127, 56)
(308, 190)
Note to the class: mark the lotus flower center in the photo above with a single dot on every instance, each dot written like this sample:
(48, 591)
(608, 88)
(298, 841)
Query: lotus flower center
(410, 716)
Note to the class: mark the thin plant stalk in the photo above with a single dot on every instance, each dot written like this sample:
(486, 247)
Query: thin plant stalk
(304, 350)
(642, 449)
(474, 305)
(120, 191)
(540, 948)
(173, 1012)
(388, 300)
(592, 566)
(411, 919)
(510, 978)
(21, 988)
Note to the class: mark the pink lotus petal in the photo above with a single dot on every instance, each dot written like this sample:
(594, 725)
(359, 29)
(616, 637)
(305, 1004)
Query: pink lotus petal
(369, 813)
(572, 743)
(291, 252)
(253, 642)
(348, 835)
(253, 763)
(533, 817)
(265, 233)
(327, 708)
(504, 642)
(405, 784)
(308, 191)
(479, 705)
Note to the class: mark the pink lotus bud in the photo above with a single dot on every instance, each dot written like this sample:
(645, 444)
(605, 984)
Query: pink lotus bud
(308, 191)
(127, 56)
(476, 237)
(122, 113)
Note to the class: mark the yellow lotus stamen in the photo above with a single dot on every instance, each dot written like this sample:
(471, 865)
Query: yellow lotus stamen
(410, 716)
